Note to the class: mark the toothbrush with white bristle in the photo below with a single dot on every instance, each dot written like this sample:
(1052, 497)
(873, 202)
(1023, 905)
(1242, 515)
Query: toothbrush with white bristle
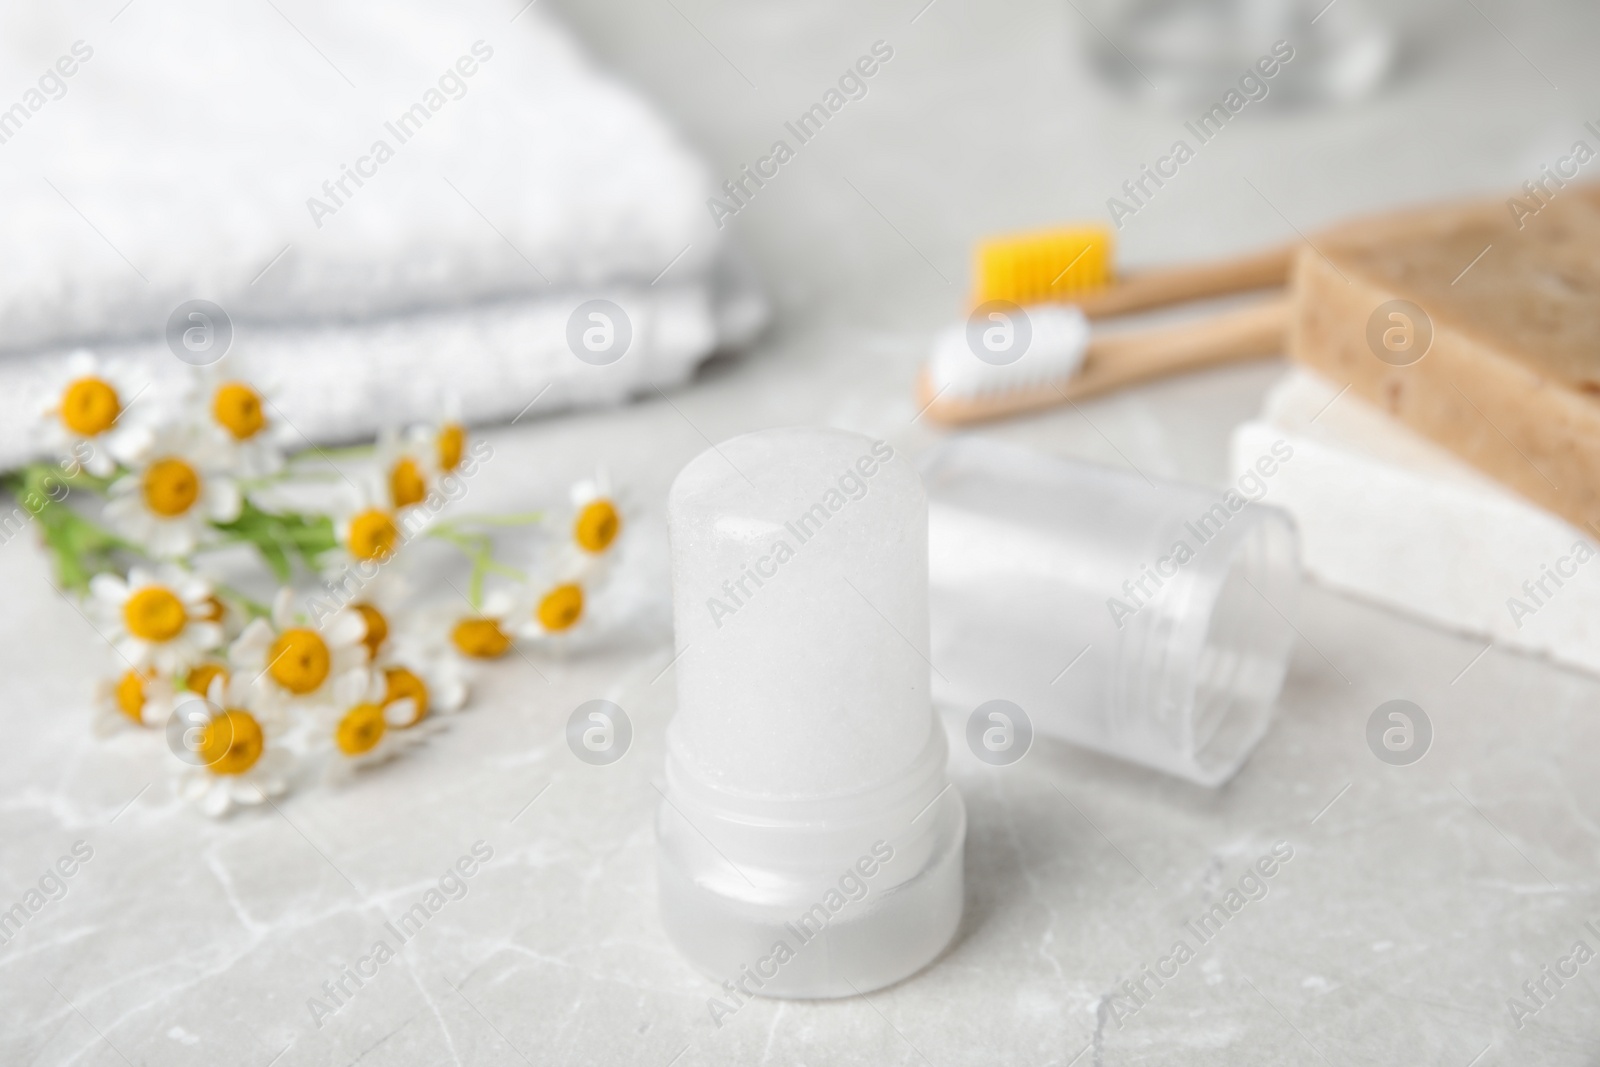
(1058, 335)
(1067, 361)
(1007, 359)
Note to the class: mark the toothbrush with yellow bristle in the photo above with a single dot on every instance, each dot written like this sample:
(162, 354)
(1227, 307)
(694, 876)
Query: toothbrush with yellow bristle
(1028, 344)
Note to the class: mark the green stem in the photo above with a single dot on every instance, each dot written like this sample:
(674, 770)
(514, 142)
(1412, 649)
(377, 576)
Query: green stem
(267, 481)
(523, 518)
(479, 549)
(471, 544)
(483, 565)
(331, 454)
(254, 608)
(277, 537)
(494, 566)
(83, 479)
(79, 548)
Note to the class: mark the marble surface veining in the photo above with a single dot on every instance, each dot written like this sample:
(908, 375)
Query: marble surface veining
(1414, 900)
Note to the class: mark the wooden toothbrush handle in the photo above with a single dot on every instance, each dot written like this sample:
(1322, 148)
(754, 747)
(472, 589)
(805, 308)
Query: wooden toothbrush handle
(1162, 286)
(1124, 358)
(1119, 359)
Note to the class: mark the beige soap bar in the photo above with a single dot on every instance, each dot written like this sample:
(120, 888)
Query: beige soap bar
(1480, 333)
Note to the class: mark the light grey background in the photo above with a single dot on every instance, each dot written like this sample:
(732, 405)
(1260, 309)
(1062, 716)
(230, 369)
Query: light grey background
(1419, 898)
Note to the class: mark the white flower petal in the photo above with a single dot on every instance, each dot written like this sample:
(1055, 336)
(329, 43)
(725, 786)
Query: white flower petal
(250, 648)
(349, 688)
(171, 539)
(193, 589)
(247, 791)
(109, 588)
(216, 802)
(401, 713)
(132, 648)
(100, 464)
(283, 608)
(204, 635)
(447, 695)
(344, 629)
(223, 500)
(128, 445)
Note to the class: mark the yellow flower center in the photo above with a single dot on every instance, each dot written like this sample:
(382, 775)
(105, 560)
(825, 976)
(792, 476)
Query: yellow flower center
(597, 526)
(299, 661)
(377, 628)
(201, 677)
(154, 613)
(90, 406)
(561, 607)
(480, 638)
(406, 484)
(360, 730)
(130, 696)
(373, 535)
(171, 487)
(399, 684)
(237, 407)
(452, 443)
(215, 609)
(231, 743)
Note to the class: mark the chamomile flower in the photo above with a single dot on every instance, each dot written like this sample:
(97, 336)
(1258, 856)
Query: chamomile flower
(83, 412)
(380, 601)
(236, 422)
(441, 447)
(292, 665)
(564, 609)
(230, 616)
(202, 675)
(553, 609)
(164, 619)
(434, 684)
(369, 532)
(405, 469)
(176, 490)
(234, 755)
(378, 626)
(595, 522)
(402, 653)
(363, 727)
(133, 699)
(484, 634)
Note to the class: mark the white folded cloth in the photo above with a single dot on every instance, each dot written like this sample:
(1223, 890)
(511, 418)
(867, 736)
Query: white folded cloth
(164, 152)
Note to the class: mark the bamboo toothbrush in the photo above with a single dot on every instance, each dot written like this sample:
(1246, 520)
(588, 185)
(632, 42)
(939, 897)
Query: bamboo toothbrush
(1064, 359)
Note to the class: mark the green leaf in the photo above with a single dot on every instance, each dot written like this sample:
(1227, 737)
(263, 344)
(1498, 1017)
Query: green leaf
(275, 537)
(79, 548)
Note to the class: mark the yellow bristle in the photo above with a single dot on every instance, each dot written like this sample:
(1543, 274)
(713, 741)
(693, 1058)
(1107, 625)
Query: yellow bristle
(1040, 267)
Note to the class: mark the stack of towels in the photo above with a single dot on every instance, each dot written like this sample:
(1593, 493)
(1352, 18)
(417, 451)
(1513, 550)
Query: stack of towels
(399, 205)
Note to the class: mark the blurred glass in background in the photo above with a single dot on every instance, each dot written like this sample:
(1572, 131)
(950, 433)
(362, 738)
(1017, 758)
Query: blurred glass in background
(1179, 52)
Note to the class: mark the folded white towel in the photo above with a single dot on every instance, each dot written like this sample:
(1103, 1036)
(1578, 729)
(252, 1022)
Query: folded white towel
(186, 150)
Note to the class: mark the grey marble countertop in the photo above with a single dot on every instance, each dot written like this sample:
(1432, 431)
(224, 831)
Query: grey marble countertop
(1417, 900)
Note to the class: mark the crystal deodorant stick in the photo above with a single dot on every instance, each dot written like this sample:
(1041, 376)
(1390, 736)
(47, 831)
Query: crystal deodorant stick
(809, 841)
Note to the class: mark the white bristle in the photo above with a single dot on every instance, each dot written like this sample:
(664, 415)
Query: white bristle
(1059, 335)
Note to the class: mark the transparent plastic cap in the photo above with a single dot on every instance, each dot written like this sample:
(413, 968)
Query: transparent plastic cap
(1150, 621)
